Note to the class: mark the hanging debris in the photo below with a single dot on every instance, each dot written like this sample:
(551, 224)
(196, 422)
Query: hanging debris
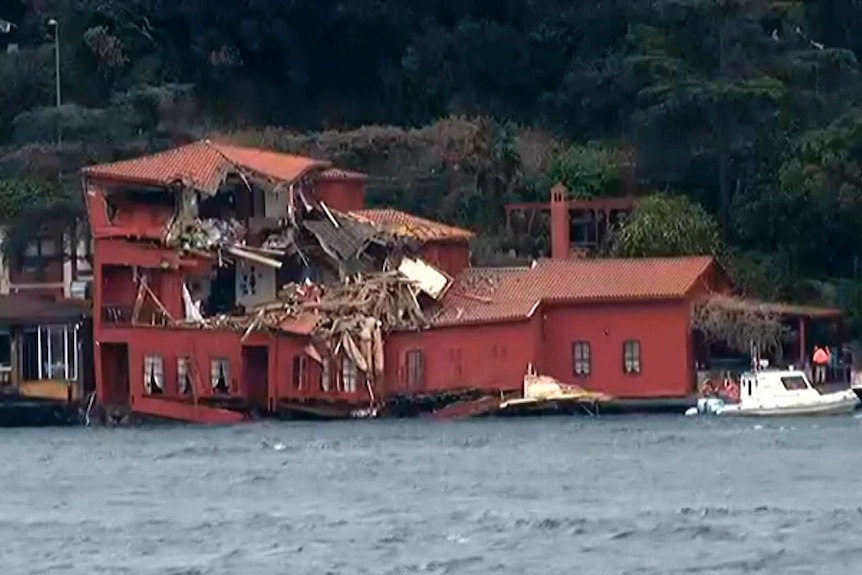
(209, 235)
(429, 279)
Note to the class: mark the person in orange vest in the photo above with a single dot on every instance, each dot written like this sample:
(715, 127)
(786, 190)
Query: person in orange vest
(820, 360)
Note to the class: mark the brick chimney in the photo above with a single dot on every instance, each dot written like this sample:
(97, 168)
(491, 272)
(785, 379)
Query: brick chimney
(560, 241)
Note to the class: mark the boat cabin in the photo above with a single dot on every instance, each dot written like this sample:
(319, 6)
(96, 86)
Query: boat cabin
(775, 388)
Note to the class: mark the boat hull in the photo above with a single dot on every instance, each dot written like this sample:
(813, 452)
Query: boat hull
(840, 406)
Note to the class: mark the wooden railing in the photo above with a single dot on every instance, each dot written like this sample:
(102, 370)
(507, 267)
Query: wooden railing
(117, 315)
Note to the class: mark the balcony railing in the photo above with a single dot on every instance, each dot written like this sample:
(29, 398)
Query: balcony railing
(118, 315)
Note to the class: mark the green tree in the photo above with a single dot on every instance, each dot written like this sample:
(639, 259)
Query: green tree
(30, 206)
(719, 80)
(591, 170)
(666, 226)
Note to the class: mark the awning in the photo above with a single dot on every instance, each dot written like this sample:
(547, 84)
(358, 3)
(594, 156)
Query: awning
(785, 310)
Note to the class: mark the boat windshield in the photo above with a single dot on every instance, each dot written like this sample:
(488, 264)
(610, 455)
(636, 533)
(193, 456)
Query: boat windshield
(794, 382)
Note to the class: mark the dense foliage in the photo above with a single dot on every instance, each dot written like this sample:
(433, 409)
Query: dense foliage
(663, 226)
(750, 108)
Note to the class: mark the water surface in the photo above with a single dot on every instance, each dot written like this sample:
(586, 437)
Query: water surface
(659, 495)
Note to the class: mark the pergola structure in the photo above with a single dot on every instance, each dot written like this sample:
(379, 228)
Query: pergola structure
(590, 220)
(799, 317)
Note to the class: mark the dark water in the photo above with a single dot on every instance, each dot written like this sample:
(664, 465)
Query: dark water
(613, 495)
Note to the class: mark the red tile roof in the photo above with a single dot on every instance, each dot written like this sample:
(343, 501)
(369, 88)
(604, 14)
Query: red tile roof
(618, 279)
(485, 295)
(408, 225)
(204, 165)
(490, 295)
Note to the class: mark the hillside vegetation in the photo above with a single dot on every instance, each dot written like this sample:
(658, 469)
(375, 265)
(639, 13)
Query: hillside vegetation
(745, 114)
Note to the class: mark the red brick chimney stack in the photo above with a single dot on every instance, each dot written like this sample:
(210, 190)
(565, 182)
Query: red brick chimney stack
(560, 241)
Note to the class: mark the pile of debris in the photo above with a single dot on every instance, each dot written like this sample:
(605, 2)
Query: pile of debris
(351, 316)
(387, 297)
(208, 235)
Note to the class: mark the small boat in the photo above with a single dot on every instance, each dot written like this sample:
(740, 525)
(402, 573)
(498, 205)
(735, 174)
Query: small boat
(774, 392)
(856, 385)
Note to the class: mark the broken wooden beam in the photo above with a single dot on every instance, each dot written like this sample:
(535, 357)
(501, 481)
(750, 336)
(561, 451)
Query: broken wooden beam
(252, 257)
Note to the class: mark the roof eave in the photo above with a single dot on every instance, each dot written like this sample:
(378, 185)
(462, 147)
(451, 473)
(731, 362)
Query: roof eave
(352, 177)
(316, 165)
(479, 321)
(633, 299)
(48, 319)
(441, 240)
(92, 176)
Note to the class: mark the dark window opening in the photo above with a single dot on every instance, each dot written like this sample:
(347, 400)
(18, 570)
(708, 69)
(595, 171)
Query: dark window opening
(5, 349)
(416, 368)
(29, 355)
(222, 294)
(794, 383)
(154, 375)
(221, 206)
(38, 253)
(349, 375)
(325, 376)
(258, 203)
(219, 375)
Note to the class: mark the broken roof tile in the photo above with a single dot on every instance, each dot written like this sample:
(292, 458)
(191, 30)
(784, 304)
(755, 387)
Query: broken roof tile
(302, 324)
(347, 240)
(203, 166)
(487, 295)
(410, 226)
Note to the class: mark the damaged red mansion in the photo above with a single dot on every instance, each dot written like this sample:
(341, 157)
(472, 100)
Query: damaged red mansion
(230, 281)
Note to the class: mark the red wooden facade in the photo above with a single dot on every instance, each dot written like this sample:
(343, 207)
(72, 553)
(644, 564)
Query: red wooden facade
(621, 327)
(618, 326)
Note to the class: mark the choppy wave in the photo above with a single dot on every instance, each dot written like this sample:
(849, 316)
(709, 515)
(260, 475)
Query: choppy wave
(590, 496)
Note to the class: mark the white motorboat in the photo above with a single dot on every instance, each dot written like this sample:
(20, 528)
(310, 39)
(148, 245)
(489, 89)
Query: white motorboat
(773, 392)
(856, 384)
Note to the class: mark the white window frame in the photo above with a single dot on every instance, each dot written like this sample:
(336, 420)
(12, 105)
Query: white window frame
(632, 357)
(37, 252)
(349, 375)
(183, 387)
(298, 366)
(582, 358)
(154, 368)
(214, 364)
(45, 364)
